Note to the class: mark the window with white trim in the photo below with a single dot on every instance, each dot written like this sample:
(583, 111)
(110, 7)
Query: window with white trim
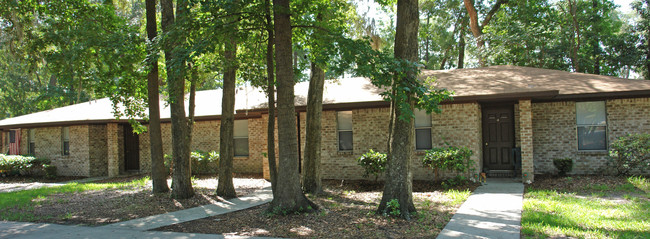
(591, 119)
(32, 142)
(240, 134)
(65, 141)
(422, 130)
(344, 130)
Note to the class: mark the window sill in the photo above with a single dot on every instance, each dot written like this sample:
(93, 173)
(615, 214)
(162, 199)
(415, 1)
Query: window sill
(344, 153)
(420, 152)
(593, 152)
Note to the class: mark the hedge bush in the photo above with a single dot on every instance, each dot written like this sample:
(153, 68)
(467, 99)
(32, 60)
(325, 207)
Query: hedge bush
(374, 163)
(563, 165)
(631, 153)
(23, 165)
(447, 158)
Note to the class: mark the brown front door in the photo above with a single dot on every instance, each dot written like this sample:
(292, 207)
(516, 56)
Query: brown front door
(131, 149)
(498, 137)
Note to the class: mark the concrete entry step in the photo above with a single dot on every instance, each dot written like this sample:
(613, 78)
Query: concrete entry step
(501, 173)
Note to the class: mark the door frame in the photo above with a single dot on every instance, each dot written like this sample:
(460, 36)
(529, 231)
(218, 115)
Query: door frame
(127, 131)
(510, 107)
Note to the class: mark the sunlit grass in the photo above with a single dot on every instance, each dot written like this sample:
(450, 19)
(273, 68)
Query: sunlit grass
(30, 198)
(548, 213)
(457, 197)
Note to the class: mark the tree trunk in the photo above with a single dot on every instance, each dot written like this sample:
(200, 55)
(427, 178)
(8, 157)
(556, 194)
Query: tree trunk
(182, 184)
(225, 188)
(311, 174)
(289, 196)
(461, 51)
(596, 37)
(477, 30)
(270, 92)
(575, 35)
(158, 171)
(398, 185)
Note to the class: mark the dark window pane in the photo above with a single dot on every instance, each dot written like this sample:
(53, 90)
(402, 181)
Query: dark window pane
(345, 140)
(241, 146)
(66, 148)
(423, 139)
(592, 138)
(12, 136)
(32, 151)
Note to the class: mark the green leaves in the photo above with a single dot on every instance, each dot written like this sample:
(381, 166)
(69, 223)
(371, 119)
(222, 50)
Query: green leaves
(374, 163)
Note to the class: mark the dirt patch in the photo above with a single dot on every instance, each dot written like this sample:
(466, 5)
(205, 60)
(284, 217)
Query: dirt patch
(604, 187)
(22, 179)
(347, 211)
(113, 205)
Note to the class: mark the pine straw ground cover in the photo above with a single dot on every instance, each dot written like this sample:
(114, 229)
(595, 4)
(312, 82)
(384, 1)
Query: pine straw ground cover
(587, 207)
(109, 201)
(347, 211)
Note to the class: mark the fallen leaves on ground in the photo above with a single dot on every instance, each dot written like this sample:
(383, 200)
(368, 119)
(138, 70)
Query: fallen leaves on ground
(347, 211)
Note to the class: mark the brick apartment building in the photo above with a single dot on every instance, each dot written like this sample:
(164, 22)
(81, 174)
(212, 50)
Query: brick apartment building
(514, 119)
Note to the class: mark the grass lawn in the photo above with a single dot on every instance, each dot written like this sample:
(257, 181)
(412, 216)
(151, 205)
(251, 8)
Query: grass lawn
(587, 207)
(28, 199)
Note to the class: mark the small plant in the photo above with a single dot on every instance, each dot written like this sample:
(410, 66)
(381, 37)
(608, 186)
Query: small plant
(447, 158)
(392, 208)
(373, 162)
(563, 165)
(455, 181)
(204, 162)
(50, 171)
(630, 153)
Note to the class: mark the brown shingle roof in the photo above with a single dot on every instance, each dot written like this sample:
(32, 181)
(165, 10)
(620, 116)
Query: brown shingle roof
(496, 80)
(477, 84)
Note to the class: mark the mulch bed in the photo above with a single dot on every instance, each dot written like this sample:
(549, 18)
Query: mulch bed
(112, 205)
(347, 211)
(23, 179)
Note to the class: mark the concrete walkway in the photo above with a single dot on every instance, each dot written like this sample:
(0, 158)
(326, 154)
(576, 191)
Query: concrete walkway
(492, 211)
(12, 187)
(138, 228)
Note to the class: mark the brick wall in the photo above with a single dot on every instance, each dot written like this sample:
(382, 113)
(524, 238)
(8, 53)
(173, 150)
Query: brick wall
(205, 137)
(526, 138)
(554, 127)
(47, 142)
(458, 125)
(98, 150)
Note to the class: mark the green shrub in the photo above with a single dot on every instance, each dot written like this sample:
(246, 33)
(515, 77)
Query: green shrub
(204, 162)
(50, 171)
(447, 158)
(563, 165)
(373, 162)
(201, 162)
(455, 181)
(24, 165)
(630, 153)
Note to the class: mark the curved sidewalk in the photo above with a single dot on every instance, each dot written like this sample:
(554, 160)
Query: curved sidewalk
(492, 211)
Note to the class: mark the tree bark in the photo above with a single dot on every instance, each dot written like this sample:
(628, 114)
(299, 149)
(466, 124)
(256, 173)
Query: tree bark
(270, 92)
(158, 171)
(575, 35)
(398, 185)
(226, 188)
(289, 196)
(461, 51)
(312, 174)
(477, 30)
(182, 184)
